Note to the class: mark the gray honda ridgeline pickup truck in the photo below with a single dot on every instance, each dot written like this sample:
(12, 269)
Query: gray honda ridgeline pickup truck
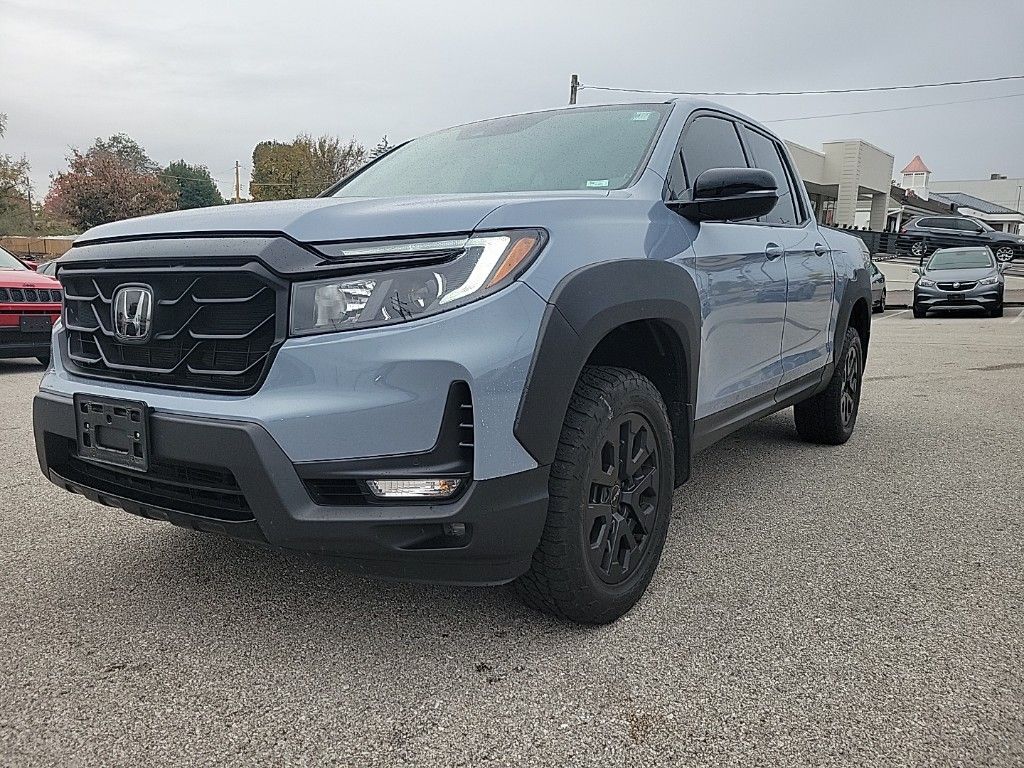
(488, 356)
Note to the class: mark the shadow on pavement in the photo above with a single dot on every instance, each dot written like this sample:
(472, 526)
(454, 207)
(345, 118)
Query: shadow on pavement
(236, 586)
(20, 365)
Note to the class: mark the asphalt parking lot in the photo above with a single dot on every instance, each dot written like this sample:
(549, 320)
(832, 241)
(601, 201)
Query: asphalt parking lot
(814, 606)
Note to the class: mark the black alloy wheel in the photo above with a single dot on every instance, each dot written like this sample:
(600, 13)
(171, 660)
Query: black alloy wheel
(848, 397)
(623, 498)
(830, 416)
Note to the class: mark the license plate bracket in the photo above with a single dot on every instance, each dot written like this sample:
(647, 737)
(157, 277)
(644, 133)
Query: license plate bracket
(36, 324)
(956, 297)
(113, 431)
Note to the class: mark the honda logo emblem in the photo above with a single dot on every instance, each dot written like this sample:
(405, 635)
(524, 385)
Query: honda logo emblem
(133, 313)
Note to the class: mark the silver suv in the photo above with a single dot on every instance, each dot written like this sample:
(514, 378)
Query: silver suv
(957, 278)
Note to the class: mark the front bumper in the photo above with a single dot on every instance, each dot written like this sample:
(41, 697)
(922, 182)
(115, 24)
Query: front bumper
(486, 536)
(15, 342)
(372, 392)
(985, 296)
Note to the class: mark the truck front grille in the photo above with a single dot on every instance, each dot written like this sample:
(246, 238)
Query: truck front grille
(212, 329)
(29, 296)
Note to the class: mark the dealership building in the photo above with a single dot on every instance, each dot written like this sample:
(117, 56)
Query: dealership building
(851, 183)
(846, 176)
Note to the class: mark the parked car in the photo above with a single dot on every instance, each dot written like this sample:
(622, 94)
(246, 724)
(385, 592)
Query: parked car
(48, 268)
(923, 235)
(488, 356)
(29, 305)
(877, 289)
(960, 277)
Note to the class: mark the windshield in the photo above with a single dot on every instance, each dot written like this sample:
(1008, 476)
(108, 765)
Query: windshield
(961, 258)
(7, 261)
(597, 148)
(985, 227)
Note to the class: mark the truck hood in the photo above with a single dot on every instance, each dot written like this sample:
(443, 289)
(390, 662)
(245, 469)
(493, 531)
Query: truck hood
(25, 278)
(323, 218)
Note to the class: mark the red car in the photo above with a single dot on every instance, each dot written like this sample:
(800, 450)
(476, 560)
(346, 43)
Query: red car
(29, 305)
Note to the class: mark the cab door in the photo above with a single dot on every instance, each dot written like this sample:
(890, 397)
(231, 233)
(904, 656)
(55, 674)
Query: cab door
(741, 273)
(810, 277)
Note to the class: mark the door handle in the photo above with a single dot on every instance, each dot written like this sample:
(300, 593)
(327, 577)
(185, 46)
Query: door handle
(820, 249)
(774, 251)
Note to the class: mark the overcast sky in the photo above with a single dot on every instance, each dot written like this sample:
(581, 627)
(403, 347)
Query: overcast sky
(207, 80)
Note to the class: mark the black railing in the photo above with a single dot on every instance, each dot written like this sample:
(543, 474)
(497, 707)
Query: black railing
(877, 242)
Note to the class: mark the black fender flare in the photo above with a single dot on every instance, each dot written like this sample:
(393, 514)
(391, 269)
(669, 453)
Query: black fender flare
(586, 306)
(857, 287)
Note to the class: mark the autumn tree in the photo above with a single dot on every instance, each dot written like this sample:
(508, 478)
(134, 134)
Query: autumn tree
(114, 179)
(192, 185)
(302, 168)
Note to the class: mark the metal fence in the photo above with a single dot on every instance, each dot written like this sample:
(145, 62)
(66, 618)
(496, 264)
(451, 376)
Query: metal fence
(49, 247)
(877, 242)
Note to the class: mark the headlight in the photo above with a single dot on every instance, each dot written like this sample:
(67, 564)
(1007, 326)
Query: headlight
(988, 280)
(461, 270)
(926, 283)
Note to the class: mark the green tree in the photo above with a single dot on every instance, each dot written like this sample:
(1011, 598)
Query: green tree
(192, 185)
(14, 211)
(383, 147)
(15, 215)
(302, 168)
(128, 153)
(276, 171)
(114, 179)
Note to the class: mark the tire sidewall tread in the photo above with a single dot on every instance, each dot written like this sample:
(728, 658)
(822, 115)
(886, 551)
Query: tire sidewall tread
(560, 580)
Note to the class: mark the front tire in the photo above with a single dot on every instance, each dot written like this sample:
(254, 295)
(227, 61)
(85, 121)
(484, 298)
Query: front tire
(830, 416)
(44, 360)
(918, 249)
(919, 311)
(610, 500)
(996, 311)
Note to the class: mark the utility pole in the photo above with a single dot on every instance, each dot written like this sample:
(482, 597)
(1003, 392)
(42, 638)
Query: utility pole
(574, 86)
(31, 213)
(238, 183)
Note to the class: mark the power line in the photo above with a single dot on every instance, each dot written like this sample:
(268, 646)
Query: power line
(894, 109)
(914, 86)
(188, 178)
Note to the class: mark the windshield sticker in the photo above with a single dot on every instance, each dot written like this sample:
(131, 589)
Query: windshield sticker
(642, 115)
(597, 183)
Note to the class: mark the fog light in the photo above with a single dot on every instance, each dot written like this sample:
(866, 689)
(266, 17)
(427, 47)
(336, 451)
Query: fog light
(432, 488)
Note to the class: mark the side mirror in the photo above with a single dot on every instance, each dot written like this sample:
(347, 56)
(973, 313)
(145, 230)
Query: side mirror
(917, 271)
(1002, 267)
(729, 194)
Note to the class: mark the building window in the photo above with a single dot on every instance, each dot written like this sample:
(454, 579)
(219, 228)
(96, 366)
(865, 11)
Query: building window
(828, 213)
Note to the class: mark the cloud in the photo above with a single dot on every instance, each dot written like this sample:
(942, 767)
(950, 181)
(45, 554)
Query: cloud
(206, 81)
